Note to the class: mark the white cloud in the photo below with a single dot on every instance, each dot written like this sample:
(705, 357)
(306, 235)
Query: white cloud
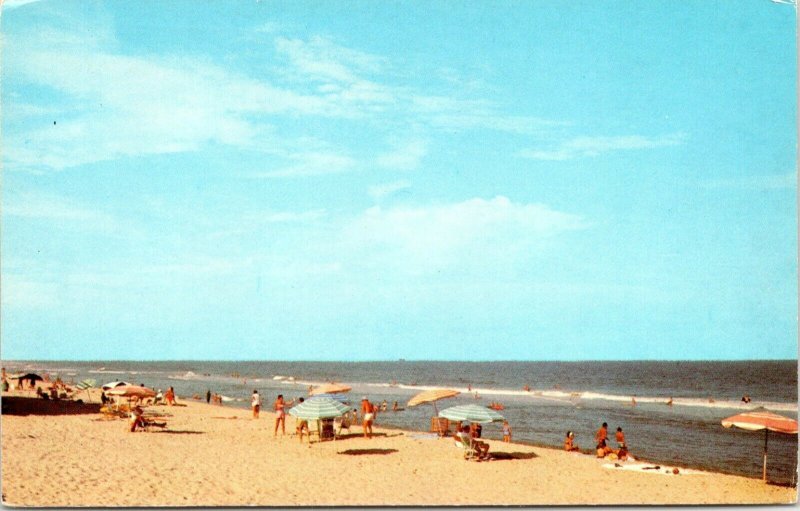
(13, 4)
(323, 60)
(404, 156)
(378, 192)
(312, 164)
(594, 146)
(141, 105)
(480, 230)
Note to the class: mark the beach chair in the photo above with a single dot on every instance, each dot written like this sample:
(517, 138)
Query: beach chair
(344, 423)
(466, 447)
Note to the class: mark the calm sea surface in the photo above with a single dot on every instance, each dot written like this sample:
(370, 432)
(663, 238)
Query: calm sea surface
(575, 396)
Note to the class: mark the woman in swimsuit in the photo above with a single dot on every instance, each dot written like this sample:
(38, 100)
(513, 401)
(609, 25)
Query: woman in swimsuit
(280, 418)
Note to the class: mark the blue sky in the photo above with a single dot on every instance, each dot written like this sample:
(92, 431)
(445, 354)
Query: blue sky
(539, 180)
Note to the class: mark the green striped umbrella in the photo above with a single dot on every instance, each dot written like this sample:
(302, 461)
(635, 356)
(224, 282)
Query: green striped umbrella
(86, 384)
(471, 413)
(319, 408)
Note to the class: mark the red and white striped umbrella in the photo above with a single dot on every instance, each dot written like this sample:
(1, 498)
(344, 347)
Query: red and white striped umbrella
(761, 418)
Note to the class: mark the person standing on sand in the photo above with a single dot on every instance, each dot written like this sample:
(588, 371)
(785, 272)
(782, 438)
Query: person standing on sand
(170, 396)
(620, 437)
(255, 403)
(208, 396)
(302, 425)
(280, 409)
(602, 434)
(506, 432)
(368, 415)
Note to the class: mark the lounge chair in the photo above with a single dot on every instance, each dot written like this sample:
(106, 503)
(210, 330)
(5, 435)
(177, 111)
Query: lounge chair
(466, 447)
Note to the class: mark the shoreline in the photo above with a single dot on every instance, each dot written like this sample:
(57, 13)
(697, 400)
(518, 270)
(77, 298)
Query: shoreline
(82, 460)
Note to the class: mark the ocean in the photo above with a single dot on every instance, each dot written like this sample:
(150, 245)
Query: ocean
(563, 396)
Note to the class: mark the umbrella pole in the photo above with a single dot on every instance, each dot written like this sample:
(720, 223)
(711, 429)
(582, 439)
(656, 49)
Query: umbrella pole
(766, 436)
(438, 422)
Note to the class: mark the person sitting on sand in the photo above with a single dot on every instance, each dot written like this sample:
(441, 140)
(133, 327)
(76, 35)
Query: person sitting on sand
(569, 444)
(603, 450)
(159, 397)
(481, 448)
(620, 437)
(506, 432)
(136, 420)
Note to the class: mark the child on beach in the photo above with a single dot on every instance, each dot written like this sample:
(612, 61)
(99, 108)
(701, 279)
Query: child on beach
(506, 432)
(569, 440)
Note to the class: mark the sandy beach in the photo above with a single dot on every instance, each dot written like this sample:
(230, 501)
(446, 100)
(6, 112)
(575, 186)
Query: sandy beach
(57, 454)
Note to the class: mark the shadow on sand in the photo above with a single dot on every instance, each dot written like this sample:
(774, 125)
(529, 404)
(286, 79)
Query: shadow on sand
(20, 405)
(503, 456)
(361, 452)
(178, 432)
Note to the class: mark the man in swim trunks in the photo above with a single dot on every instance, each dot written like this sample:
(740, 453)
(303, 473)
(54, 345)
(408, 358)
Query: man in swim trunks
(601, 435)
(620, 437)
(368, 415)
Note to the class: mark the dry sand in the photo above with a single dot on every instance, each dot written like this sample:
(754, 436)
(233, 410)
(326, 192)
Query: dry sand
(218, 456)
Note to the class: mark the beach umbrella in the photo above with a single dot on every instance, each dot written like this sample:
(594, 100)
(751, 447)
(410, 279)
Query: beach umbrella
(114, 384)
(761, 418)
(329, 388)
(471, 413)
(131, 391)
(319, 408)
(86, 384)
(431, 396)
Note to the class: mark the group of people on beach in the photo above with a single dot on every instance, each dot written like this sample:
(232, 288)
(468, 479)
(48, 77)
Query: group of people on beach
(602, 449)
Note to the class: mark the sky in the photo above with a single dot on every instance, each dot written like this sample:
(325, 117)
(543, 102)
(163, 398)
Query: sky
(306, 180)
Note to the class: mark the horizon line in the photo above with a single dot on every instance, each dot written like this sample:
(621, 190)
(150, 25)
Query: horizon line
(397, 360)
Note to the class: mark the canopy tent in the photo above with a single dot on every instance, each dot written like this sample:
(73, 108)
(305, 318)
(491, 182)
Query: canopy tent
(761, 418)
